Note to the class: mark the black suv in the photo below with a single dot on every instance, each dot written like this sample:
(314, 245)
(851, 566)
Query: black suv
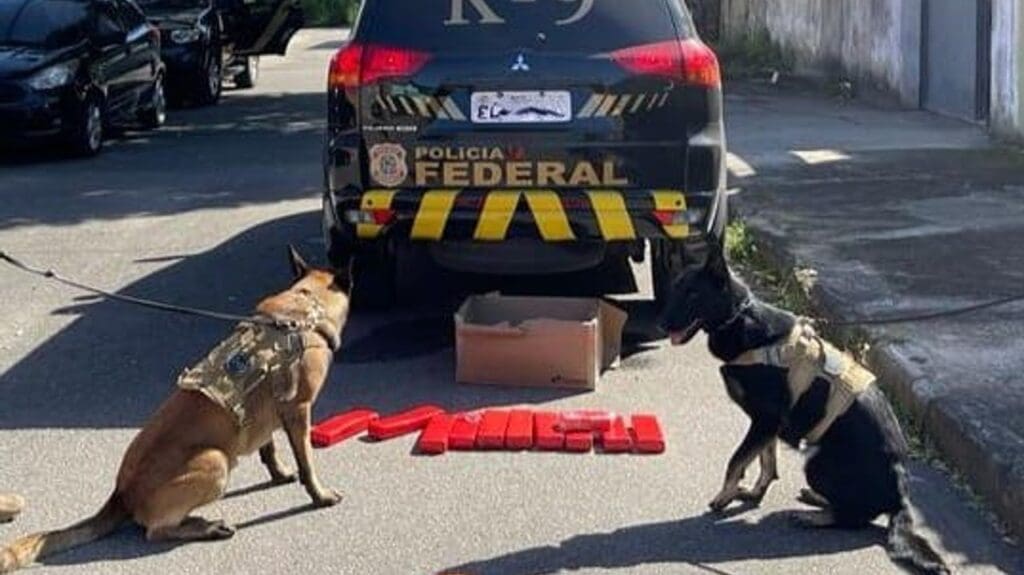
(207, 41)
(71, 68)
(516, 137)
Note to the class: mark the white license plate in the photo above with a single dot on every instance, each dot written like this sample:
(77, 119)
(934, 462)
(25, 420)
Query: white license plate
(521, 107)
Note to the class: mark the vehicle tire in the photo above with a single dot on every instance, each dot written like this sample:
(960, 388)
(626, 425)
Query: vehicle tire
(373, 281)
(86, 136)
(208, 82)
(250, 73)
(155, 113)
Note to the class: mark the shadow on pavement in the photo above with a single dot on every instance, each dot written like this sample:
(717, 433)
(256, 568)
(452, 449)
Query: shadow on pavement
(114, 363)
(696, 541)
(200, 160)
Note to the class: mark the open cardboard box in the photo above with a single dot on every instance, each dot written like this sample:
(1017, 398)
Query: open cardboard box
(536, 341)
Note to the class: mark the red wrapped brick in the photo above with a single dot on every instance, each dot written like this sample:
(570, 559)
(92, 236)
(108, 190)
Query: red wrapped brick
(403, 423)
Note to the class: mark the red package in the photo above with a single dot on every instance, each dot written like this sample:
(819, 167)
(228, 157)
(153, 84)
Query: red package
(519, 434)
(616, 439)
(546, 435)
(579, 441)
(341, 427)
(403, 422)
(434, 439)
(647, 435)
(493, 425)
(463, 432)
(585, 420)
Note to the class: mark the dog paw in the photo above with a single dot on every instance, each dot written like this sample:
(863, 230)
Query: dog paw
(328, 498)
(284, 478)
(218, 530)
(754, 496)
(718, 504)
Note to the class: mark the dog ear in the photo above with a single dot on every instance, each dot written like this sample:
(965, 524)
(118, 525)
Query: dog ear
(299, 265)
(716, 263)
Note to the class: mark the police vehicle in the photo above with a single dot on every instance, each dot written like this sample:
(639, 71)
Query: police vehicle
(522, 137)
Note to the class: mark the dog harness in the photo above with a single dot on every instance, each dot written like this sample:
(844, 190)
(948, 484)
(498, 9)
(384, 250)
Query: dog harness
(254, 353)
(806, 356)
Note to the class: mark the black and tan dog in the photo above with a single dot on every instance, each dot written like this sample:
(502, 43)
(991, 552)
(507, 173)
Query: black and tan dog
(182, 457)
(797, 388)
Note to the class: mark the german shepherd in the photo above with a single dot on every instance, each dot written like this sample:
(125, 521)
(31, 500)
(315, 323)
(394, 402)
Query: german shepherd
(182, 457)
(856, 470)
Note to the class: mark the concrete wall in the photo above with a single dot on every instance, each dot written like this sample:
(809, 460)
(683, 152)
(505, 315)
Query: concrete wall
(878, 42)
(871, 41)
(1008, 68)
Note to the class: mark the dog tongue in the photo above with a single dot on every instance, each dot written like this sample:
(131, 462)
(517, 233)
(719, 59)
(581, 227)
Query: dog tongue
(677, 337)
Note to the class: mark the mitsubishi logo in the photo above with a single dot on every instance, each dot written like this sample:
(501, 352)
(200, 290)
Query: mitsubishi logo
(520, 64)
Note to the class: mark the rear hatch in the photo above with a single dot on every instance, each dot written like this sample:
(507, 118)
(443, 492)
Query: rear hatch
(542, 94)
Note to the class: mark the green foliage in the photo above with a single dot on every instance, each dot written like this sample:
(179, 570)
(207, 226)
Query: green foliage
(330, 12)
(752, 55)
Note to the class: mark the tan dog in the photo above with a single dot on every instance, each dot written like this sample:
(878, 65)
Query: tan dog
(181, 458)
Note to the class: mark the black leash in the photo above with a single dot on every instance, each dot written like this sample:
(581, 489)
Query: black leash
(928, 316)
(180, 309)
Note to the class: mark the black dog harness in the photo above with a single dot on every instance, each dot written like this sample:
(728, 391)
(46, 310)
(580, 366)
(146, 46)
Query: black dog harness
(806, 356)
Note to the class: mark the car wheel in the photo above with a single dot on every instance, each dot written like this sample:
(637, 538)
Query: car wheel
(208, 82)
(86, 137)
(155, 113)
(373, 281)
(249, 75)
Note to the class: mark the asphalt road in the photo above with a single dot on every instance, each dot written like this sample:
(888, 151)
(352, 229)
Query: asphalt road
(199, 213)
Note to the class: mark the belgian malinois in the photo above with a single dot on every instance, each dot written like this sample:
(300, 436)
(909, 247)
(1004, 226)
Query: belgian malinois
(182, 457)
(855, 469)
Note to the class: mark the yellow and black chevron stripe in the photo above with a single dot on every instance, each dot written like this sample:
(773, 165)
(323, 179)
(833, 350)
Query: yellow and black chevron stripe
(616, 105)
(420, 106)
(554, 216)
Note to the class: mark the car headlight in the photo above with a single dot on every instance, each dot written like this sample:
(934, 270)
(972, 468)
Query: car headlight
(53, 77)
(186, 35)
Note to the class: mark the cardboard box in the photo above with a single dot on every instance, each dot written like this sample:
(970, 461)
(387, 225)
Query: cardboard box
(536, 341)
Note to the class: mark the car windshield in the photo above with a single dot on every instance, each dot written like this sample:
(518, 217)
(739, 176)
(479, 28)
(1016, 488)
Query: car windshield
(42, 23)
(591, 25)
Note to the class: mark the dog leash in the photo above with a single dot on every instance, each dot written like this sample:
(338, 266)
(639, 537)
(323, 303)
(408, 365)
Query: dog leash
(143, 302)
(923, 317)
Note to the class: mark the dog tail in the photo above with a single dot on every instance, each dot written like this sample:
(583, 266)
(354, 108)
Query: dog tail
(26, 550)
(907, 547)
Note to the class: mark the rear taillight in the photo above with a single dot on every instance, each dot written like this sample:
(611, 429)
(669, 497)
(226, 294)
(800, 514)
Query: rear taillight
(689, 61)
(358, 65)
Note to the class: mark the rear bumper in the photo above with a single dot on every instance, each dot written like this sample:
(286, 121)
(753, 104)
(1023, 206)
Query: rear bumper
(519, 231)
(500, 215)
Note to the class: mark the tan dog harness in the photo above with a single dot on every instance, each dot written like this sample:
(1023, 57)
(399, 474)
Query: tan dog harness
(806, 356)
(252, 354)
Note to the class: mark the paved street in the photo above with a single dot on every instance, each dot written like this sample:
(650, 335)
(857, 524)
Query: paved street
(199, 214)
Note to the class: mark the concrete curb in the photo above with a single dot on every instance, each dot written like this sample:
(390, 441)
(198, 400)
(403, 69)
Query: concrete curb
(961, 442)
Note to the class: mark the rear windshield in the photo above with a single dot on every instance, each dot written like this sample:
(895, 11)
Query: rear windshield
(561, 25)
(42, 23)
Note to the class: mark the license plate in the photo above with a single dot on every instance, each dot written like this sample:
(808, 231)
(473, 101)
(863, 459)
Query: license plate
(521, 107)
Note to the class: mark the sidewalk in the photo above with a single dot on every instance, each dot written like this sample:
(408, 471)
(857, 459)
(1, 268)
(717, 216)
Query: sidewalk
(902, 212)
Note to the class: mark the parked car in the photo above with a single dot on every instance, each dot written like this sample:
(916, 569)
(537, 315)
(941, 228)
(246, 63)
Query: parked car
(208, 41)
(69, 69)
(523, 138)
